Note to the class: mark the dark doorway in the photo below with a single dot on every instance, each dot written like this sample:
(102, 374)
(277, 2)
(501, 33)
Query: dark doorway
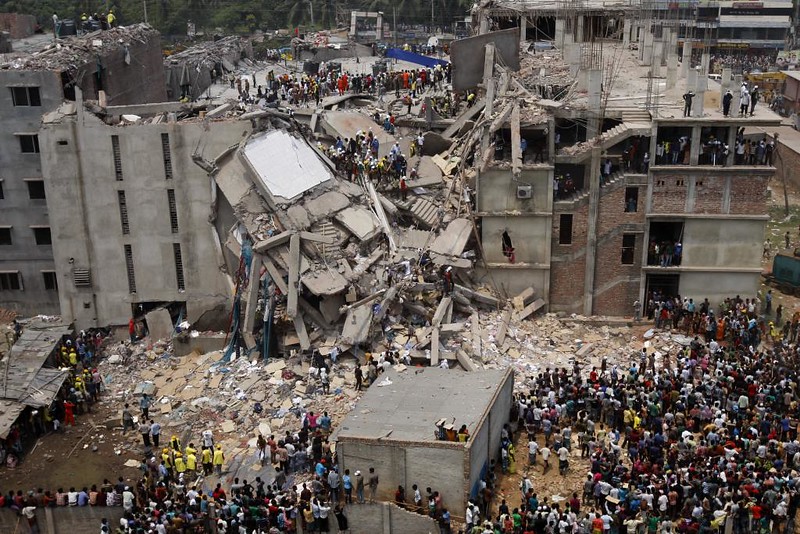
(662, 285)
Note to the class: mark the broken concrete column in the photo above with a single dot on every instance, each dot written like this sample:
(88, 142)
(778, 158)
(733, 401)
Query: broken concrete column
(572, 55)
(666, 34)
(594, 81)
(672, 60)
(559, 36)
(658, 54)
(626, 33)
(705, 60)
(523, 29)
(579, 30)
(686, 61)
(700, 91)
(647, 49)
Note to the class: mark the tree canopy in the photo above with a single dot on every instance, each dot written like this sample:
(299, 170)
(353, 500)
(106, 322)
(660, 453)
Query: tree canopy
(243, 16)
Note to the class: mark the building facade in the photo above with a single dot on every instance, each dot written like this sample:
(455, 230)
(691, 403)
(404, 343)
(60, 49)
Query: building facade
(124, 63)
(134, 223)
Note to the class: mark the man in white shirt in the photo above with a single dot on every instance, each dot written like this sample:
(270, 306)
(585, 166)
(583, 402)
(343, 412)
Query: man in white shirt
(545, 458)
(533, 447)
(128, 499)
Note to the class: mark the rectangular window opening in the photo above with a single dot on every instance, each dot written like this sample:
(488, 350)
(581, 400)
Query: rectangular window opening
(29, 144)
(129, 267)
(123, 213)
(42, 235)
(628, 248)
(565, 229)
(631, 199)
(26, 96)
(50, 280)
(36, 189)
(10, 281)
(117, 157)
(173, 210)
(2, 195)
(176, 248)
(5, 236)
(165, 149)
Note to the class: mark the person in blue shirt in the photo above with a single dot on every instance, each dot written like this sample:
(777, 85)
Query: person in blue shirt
(325, 423)
(347, 484)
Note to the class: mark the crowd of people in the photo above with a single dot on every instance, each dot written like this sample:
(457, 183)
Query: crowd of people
(739, 63)
(704, 440)
(80, 390)
(306, 89)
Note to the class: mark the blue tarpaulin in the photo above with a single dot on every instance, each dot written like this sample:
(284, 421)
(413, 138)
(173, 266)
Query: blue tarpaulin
(411, 57)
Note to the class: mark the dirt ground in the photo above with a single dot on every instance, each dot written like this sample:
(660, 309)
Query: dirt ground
(67, 458)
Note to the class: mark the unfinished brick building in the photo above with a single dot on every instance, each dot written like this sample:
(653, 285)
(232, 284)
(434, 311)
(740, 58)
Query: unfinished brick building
(604, 185)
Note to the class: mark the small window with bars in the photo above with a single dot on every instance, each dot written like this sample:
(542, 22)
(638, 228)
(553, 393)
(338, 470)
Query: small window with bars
(167, 153)
(176, 249)
(129, 267)
(123, 213)
(173, 210)
(117, 157)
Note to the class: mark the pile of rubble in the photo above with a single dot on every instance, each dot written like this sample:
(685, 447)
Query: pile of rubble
(225, 52)
(240, 398)
(71, 53)
(234, 399)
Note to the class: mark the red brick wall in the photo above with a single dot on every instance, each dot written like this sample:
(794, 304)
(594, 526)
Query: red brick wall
(567, 277)
(19, 26)
(749, 195)
(609, 270)
(669, 193)
(708, 194)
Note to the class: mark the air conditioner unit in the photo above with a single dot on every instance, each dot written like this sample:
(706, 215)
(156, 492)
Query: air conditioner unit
(525, 191)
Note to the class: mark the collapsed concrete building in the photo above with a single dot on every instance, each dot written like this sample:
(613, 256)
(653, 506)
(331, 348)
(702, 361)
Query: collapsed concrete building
(124, 65)
(190, 72)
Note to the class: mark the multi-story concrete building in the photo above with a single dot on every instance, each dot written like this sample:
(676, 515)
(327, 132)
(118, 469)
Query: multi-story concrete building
(134, 224)
(623, 194)
(125, 65)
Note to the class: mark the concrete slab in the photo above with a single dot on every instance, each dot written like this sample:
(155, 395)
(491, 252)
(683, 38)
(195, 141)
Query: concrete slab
(453, 239)
(467, 56)
(159, 323)
(326, 204)
(356, 325)
(428, 174)
(324, 282)
(297, 218)
(360, 222)
(346, 124)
